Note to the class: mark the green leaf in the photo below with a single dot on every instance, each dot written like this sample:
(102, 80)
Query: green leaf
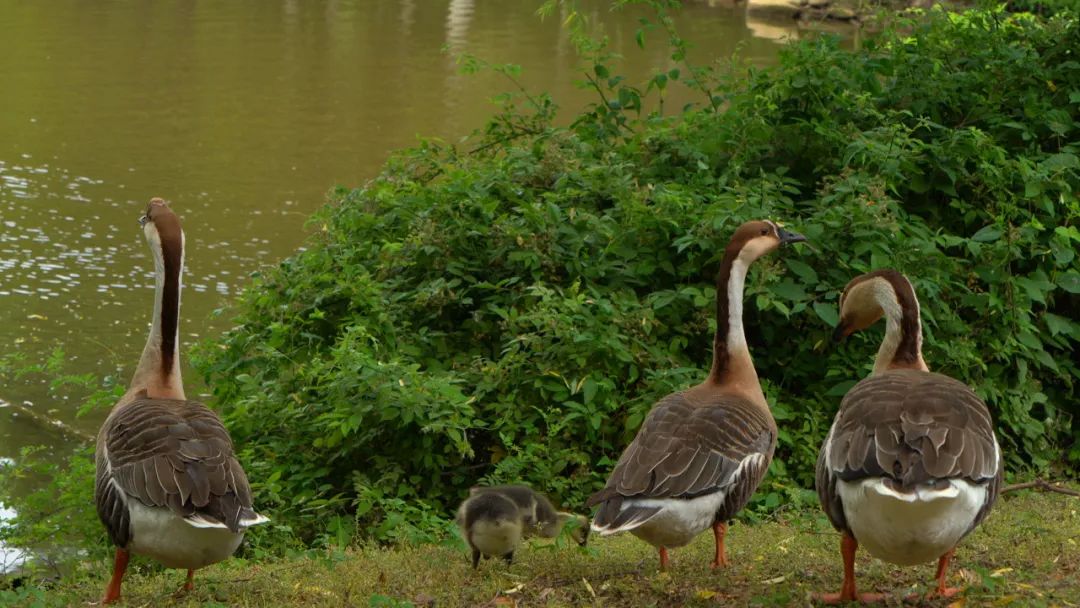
(986, 234)
(789, 290)
(1048, 361)
(1060, 325)
(841, 388)
(589, 390)
(827, 312)
(1028, 339)
(805, 272)
(1069, 281)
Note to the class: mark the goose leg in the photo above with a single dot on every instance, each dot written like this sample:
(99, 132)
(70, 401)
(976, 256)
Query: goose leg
(190, 584)
(475, 559)
(509, 557)
(112, 592)
(719, 530)
(848, 545)
(942, 566)
(663, 559)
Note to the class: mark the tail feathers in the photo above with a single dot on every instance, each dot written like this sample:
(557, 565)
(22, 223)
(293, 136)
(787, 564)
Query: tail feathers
(241, 519)
(201, 520)
(617, 516)
(251, 518)
(926, 492)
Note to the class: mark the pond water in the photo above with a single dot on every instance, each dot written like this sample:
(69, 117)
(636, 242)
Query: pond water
(244, 113)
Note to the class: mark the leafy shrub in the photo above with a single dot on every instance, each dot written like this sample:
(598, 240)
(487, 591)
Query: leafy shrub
(511, 313)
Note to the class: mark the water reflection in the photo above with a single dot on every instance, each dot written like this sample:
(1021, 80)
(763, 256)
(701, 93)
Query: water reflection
(243, 114)
(458, 17)
(10, 558)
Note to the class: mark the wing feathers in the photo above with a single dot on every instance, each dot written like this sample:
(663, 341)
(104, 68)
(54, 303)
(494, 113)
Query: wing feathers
(912, 426)
(177, 455)
(686, 450)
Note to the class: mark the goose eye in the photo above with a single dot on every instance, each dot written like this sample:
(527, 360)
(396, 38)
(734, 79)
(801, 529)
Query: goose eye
(764, 231)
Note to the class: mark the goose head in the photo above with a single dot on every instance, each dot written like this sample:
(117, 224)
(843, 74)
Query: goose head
(160, 224)
(757, 238)
(579, 529)
(869, 297)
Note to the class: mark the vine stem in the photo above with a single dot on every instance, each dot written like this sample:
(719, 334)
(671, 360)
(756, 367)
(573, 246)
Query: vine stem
(1040, 484)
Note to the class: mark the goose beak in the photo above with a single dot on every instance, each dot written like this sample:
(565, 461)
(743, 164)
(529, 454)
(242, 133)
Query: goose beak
(843, 330)
(143, 219)
(789, 237)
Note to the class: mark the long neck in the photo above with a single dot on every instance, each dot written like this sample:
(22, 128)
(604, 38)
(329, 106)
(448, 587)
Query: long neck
(731, 365)
(902, 346)
(159, 367)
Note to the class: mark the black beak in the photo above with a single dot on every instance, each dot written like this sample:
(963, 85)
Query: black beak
(143, 219)
(842, 331)
(789, 237)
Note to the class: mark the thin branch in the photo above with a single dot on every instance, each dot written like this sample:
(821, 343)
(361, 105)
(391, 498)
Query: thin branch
(1040, 484)
(48, 422)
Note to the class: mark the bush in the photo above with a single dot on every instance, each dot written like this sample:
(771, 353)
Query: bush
(511, 313)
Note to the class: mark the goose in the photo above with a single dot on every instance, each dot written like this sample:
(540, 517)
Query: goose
(701, 452)
(541, 517)
(168, 485)
(495, 519)
(911, 464)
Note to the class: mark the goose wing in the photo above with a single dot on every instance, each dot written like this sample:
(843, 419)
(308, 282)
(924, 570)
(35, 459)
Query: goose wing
(685, 450)
(913, 427)
(175, 455)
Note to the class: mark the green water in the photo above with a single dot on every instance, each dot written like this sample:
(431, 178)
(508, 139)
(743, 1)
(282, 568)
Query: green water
(244, 114)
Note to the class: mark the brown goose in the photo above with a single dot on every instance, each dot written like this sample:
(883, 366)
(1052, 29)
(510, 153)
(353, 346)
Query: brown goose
(702, 452)
(911, 464)
(168, 486)
(495, 519)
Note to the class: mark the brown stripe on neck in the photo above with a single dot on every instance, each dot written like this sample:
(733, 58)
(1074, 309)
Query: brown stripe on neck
(172, 253)
(907, 351)
(721, 355)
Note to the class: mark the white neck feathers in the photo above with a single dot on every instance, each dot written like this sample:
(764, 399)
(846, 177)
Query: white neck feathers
(158, 372)
(885, 296)
(736, 338)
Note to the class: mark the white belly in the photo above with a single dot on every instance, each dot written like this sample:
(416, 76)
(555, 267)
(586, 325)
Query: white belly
(909, 529)
(159, 534)
(679, 521)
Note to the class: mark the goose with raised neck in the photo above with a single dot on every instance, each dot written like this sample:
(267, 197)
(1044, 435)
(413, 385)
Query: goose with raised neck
(700, 453)
(168, 485)
(911, 464)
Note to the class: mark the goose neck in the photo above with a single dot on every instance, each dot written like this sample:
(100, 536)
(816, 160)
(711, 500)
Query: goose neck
(158, 372)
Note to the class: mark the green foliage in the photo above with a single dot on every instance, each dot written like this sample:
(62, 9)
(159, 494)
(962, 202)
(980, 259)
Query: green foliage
(56, 520)
(54, 515)
(512, 313)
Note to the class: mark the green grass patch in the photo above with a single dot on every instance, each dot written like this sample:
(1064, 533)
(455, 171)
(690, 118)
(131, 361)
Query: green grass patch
(1025, 554)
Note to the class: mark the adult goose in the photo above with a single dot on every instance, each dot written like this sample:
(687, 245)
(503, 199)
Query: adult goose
(168, 485)
(911, 464)
(702, 452)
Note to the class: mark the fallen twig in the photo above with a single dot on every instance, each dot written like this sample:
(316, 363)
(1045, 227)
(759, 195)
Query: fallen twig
(1040, 484)
(49, 422)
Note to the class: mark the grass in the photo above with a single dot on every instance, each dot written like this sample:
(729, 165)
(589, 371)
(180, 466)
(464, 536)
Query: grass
(1026, 554)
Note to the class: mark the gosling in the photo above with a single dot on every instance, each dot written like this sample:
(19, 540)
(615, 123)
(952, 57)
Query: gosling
(494, 520)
